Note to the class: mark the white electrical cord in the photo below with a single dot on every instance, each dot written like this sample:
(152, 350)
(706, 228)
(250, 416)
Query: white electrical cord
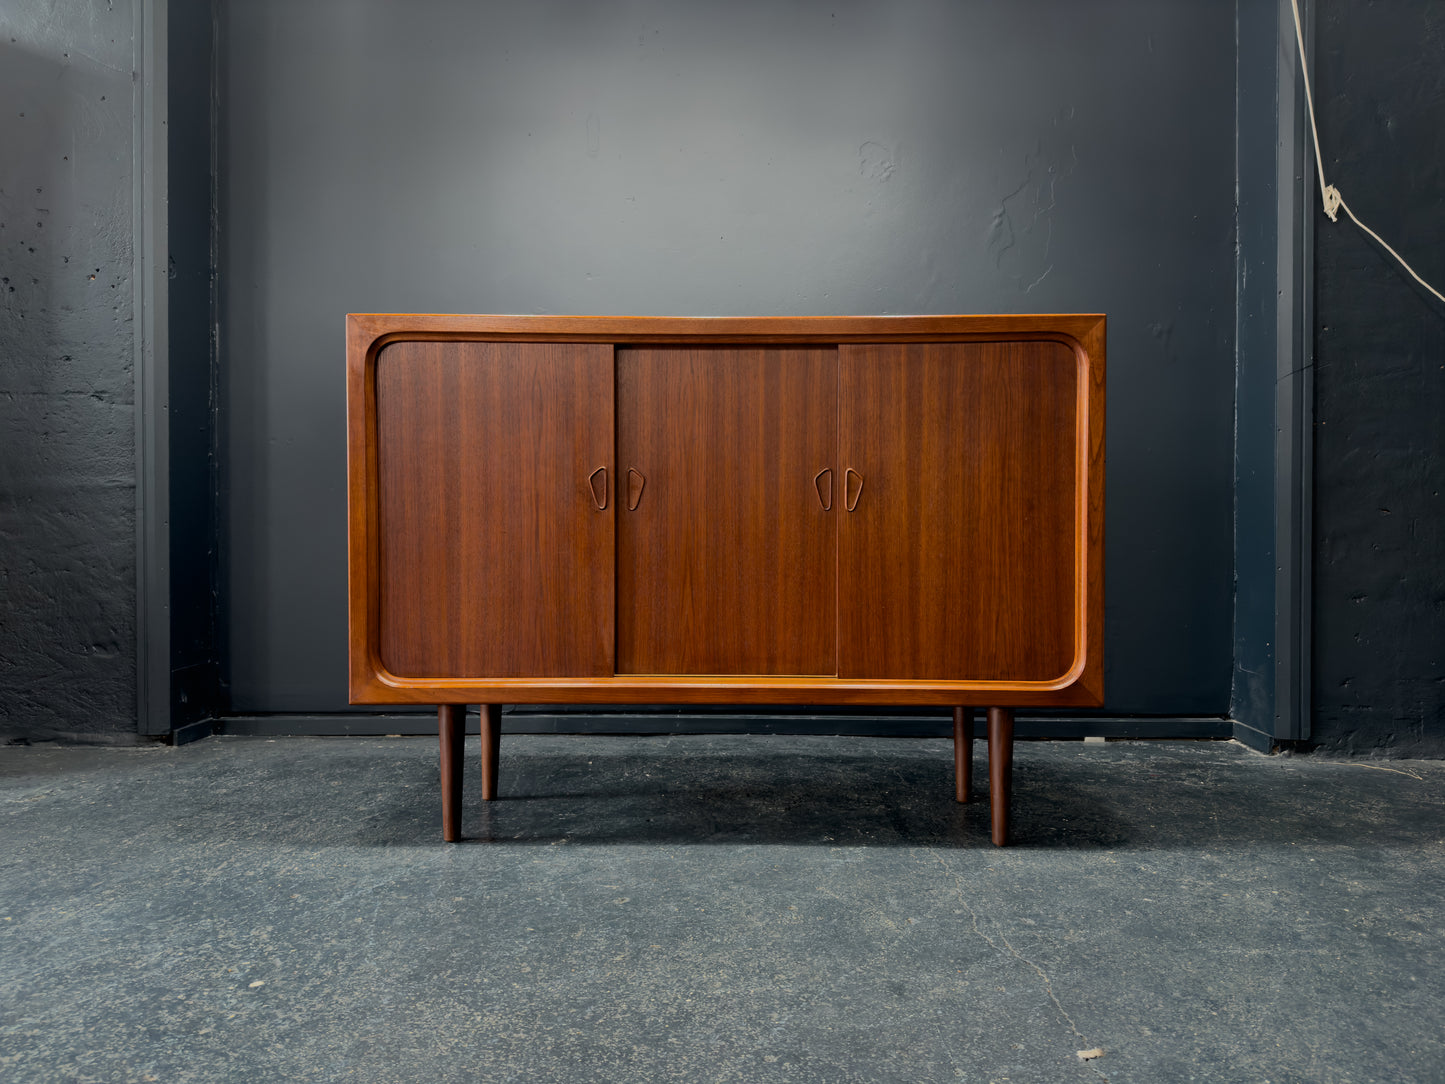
(1329, 194)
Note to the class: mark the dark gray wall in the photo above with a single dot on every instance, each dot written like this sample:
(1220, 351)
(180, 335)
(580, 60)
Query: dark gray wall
(1379, 633)
(193, 574)
(1257, 348)
(67, 426)
(765, 158)
(1274, 375)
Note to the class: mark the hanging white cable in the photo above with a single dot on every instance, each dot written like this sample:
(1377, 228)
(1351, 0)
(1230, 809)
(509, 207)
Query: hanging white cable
(1330, 195)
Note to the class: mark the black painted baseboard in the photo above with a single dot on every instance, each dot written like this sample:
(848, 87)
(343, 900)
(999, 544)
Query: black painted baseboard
(1257, 740)
(899, 724)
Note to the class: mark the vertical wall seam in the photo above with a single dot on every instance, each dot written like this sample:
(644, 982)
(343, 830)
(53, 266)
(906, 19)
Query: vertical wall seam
(220, 703)
(149, 268)
(1293, 396)
(1238, 329)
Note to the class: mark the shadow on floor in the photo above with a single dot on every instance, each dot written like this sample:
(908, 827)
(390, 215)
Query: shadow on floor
(802, 792)
(708, 790)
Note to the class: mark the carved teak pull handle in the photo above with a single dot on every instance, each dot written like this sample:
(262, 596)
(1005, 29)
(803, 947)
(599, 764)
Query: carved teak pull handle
(635, 482)
(599, 487)
(825, 488)
(851, 495)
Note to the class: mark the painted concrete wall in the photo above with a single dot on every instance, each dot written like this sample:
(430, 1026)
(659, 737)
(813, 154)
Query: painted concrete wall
(67, 430)
(1379, 632)
(906, 158)
(698, 158)
(1258, 294)
(194, 652)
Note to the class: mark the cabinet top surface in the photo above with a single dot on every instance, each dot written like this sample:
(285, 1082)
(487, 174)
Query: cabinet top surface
(377, 326)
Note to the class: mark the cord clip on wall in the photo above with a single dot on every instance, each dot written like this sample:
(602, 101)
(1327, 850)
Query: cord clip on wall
(1330, 197)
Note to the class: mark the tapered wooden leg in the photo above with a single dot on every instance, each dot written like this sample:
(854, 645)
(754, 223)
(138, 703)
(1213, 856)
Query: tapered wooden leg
(1000, 770)
(962, 753)
(491, 748)
(451, 726)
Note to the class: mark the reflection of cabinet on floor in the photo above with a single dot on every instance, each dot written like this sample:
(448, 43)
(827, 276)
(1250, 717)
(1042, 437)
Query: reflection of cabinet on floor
(858, 510)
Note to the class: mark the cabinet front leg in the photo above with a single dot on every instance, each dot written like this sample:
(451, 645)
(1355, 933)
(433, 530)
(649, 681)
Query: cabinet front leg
(1000, 770)
(451, 727)
(962, 753)
(491, 748)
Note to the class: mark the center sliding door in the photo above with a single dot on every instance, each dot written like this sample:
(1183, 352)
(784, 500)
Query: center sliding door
(727, 497)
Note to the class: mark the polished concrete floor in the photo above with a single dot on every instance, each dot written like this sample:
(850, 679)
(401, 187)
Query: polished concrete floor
(717, 909)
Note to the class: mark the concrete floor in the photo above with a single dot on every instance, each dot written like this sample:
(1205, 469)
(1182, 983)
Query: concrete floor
(717, 909)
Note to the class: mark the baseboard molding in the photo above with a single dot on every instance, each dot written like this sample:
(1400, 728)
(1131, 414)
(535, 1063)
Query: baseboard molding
(18, 736)
(1257, 740)
(657, 723)
(202, 728)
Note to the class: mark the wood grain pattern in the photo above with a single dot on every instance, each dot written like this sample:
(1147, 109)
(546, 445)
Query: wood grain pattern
(958, 560)
(728, 564)
(1089, 685)
(1000, 771)
(369, 337)
(451, 722)
(962, 754)
(493, 559)
(491, 733)
(727, 689)
(377, 328)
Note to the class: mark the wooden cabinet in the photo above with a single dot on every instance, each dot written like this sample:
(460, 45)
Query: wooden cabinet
(902, 510)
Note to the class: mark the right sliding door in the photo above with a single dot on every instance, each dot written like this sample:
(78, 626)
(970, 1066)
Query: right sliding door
(958, 538)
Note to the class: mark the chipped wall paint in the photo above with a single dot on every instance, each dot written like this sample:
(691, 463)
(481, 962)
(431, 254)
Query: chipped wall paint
(67, 429)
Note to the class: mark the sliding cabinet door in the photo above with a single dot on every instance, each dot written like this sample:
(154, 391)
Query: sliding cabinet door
(726, 536)
(958, 539)
(495, 516)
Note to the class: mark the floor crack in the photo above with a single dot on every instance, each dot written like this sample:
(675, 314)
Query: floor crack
(1397, 771)
(1021, 958)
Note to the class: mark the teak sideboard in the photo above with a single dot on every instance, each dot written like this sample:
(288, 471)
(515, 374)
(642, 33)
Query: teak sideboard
(823, 510)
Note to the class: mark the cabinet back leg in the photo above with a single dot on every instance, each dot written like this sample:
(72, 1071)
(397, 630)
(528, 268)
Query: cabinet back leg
(1000, 770)
(451, 727)
(491, 748)
(962, 753)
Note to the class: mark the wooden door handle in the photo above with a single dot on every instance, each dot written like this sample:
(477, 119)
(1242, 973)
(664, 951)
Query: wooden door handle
(825, 488)
(850, 494)
(599, 494)
(635, 482)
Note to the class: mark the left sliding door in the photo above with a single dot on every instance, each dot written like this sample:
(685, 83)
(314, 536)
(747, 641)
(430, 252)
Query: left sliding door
(495, 509)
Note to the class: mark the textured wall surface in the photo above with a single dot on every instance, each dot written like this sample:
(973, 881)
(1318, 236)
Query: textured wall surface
(1379, 635)
(748, 158)
(67, 431)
